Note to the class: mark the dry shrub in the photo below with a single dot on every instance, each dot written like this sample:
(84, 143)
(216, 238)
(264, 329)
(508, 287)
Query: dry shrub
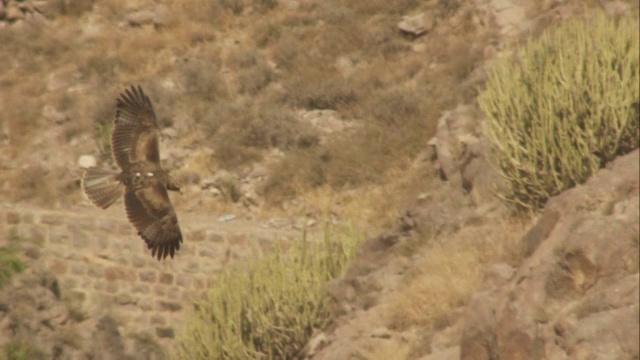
(321, 90)
(461, 58)
(273, 127)
(399, 108)
(218, 114)
(254, 72)
(264, 6)
(451, 270)
(230, 188)
(99, 62)
(31, 49)
(202, 77)
(235, 6)
(132, 60)
(344, 162)
(392, 7)
(399, 121)
(56, 186)
(297, 172)
(266, 33)
(69, 7)
(289, 51)
(28, 182)
(21, 113)
(243, 129)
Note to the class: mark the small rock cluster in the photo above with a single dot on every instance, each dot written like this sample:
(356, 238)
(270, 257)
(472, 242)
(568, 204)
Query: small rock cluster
(15, 12)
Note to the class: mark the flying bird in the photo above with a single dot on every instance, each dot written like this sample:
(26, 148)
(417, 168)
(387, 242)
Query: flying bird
(143, 182)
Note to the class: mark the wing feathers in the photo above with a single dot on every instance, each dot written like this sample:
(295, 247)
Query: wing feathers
(102, 187)
(135, 135)
(151, 213)
(134, 106)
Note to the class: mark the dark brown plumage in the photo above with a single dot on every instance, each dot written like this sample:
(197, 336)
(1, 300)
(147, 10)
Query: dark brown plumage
(143, 181)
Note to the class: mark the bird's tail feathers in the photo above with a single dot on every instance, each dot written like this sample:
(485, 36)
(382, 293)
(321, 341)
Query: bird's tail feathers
(102, 187)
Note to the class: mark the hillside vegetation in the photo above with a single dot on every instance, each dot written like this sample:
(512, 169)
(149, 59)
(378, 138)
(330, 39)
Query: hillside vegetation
(564, 106)
(324, 111)
(235, 79)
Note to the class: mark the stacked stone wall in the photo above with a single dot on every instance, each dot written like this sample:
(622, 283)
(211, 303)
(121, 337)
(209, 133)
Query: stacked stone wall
(105, 268)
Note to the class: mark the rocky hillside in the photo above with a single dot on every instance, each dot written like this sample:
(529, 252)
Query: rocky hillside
(296, 112)
(572, 292)
(575, 294)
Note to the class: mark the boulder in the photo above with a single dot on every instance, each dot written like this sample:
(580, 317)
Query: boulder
(87, 161)
(576, 295)
(13, 12)
(139, 18)
(461, 154)
(417, 24)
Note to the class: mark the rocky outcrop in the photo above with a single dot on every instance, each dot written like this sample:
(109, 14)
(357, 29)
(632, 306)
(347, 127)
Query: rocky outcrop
(576, 295)
(417, 24)
(17, 12)
(460, 154)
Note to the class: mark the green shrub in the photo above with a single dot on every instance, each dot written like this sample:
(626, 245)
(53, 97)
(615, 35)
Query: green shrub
(271, 308)
(565, 106)
(21, 350)
(10, 264)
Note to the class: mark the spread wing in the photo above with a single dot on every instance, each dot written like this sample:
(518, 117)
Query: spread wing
(151, 213)
(135, 134)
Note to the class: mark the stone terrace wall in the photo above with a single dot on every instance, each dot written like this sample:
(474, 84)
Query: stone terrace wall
(98, 258)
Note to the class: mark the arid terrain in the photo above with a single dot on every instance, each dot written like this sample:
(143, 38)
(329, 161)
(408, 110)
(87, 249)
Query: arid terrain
(283, 116)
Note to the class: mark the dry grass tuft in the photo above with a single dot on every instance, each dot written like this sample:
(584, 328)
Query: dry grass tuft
(390, 349)
(451, 271)
(69, 7)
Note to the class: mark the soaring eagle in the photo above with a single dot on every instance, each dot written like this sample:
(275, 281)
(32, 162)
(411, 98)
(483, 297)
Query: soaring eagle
(143, 181)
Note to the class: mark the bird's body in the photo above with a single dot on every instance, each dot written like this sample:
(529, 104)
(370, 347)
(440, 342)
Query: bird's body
(142, 181)
(145, 174)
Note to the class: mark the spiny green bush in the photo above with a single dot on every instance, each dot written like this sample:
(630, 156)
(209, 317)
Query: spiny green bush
(563, 107)
(269, 309)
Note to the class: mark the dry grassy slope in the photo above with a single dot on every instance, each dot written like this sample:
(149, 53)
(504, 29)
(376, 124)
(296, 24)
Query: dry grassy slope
(240, 85)
(234, 81)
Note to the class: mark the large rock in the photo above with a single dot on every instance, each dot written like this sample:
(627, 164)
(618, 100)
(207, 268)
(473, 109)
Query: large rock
(461, 154)
(13, 12)
(417, 24)
(576, 296)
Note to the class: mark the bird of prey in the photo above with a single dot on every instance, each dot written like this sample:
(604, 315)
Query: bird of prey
(142, 181)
